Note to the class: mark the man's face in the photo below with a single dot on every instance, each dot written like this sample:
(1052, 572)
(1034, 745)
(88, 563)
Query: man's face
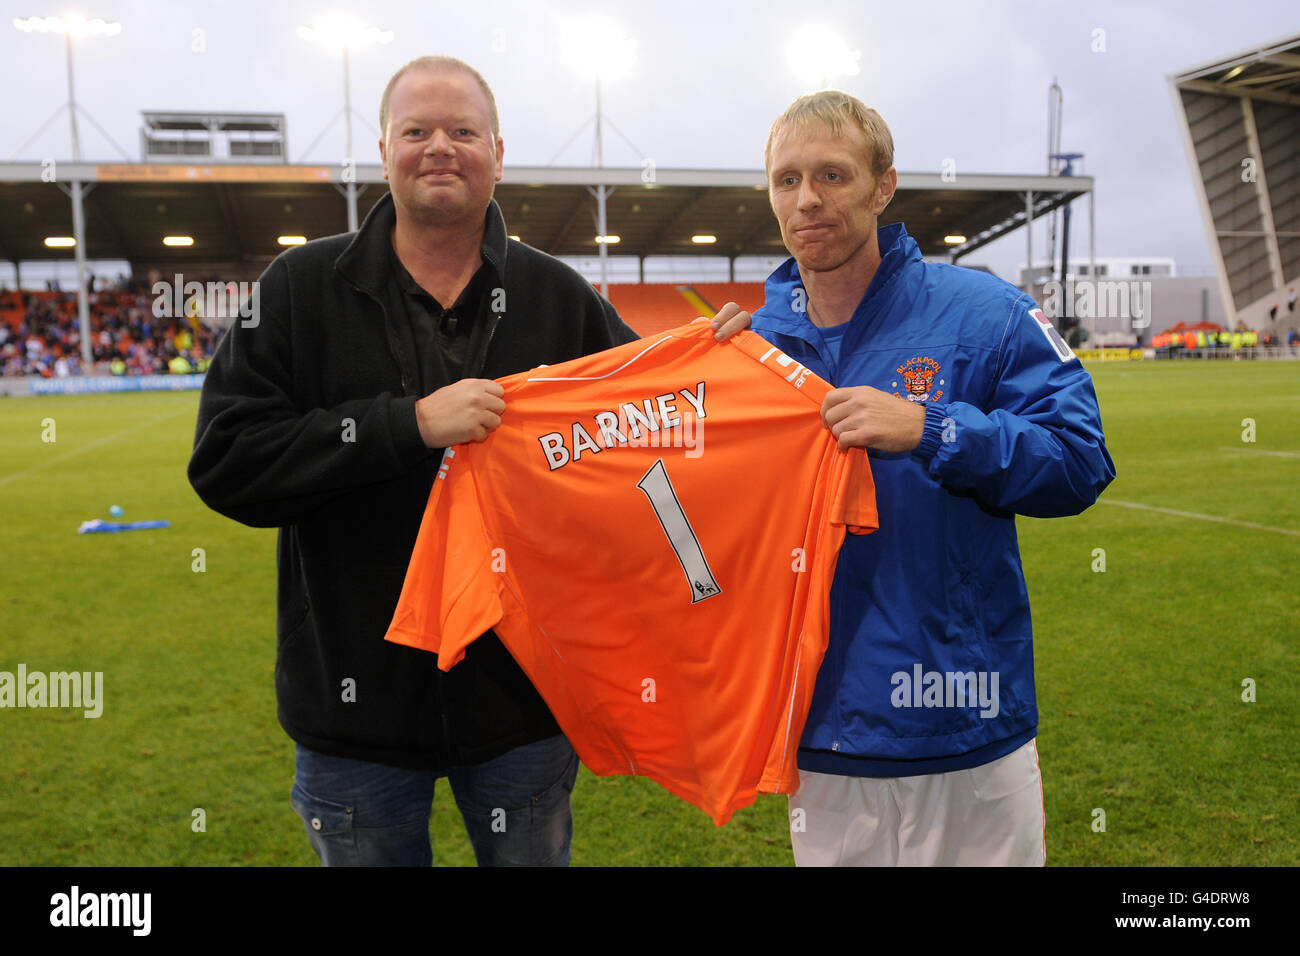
(440, 157)
(825, 197)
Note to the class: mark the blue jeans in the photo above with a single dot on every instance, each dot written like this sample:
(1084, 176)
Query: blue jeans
(515, 807)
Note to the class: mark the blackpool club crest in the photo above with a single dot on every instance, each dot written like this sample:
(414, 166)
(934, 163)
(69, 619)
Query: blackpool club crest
(920, 375)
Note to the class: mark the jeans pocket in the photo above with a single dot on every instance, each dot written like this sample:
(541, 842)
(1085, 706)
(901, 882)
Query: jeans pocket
(321, 817)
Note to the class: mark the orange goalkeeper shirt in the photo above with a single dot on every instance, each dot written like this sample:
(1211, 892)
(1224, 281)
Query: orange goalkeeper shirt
(652, 532)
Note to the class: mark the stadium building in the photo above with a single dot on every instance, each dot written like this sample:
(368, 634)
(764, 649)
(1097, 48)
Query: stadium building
(213, 200)
(1240, 120)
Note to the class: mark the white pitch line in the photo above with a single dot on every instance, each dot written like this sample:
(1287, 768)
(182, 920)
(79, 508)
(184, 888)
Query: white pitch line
(94, 444)
(1201, 517)
(1260, 451)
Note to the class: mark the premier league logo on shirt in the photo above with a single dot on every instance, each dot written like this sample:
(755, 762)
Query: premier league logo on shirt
(919, 376)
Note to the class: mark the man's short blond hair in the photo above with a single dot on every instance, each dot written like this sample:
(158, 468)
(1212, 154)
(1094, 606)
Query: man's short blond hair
(839, 112)
(435, 64)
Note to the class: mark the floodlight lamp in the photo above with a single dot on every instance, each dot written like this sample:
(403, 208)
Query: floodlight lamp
(817, 54)
(335, 33)
(595, 46)
(73, 24)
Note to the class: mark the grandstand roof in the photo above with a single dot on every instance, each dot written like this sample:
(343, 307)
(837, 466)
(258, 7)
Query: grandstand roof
(236, 212)
(1240, 121)
(1270, 71)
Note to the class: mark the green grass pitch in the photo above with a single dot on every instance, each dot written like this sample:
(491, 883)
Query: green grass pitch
(1142, 667)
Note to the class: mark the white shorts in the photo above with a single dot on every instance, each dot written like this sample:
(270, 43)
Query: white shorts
(991, 815)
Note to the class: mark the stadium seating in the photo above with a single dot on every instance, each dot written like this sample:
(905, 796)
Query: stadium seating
(52, 317)
(747, 295)
(654, 307)
(40, 334)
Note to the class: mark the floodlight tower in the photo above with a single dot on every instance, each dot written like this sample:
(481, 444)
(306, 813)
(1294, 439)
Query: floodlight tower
(1072, 323)
(1055, 110)
(346, 33)
(75, 26)
(600, 49)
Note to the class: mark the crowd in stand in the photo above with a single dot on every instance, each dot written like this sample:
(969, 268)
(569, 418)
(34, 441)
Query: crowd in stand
(40, 333)
(1208, 340)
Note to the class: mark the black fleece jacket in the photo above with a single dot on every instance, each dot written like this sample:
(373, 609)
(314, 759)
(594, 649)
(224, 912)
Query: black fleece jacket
(307, 423)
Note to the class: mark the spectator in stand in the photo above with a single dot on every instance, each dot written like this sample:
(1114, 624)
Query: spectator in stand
(37, 328)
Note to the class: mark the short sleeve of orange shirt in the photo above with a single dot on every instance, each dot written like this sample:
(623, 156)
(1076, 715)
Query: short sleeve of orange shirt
(652, 532)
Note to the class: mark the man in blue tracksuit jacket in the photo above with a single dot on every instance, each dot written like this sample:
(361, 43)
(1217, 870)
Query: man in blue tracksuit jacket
(919, 746)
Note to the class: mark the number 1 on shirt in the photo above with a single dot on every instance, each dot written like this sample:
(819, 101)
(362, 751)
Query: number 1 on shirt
(668, 509)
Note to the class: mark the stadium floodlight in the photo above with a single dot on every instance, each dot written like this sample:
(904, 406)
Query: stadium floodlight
(599, 49)
(346, 34)
(340, 33)
(818, 54)
(73, 27)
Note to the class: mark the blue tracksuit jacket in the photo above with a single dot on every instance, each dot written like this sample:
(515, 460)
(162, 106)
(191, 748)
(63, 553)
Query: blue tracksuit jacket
(930, 666)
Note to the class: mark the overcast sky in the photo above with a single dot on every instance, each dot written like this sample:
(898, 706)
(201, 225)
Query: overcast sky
(960, 80)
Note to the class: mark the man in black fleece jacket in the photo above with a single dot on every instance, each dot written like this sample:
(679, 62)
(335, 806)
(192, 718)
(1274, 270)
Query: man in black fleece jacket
(325, 415)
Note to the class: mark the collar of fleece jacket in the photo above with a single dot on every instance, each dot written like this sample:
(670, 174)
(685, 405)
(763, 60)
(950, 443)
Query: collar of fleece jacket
(364, 262)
